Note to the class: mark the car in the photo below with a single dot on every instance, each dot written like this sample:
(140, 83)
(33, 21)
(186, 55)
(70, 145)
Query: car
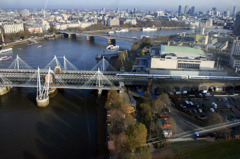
(227, 105)
(214, 105)
(224, 99)
(196, 133)
(212, 110)
(197, 105)
(191, 103)
(200, 110)
(194, 110)
(203, 117)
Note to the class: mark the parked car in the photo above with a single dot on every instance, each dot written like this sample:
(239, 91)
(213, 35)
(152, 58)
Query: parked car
(227, 105)
(214, 105)
(200, 110)
(212, 110)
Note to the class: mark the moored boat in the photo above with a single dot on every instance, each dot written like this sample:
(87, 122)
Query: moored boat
(5, 58)
(112, 47)
(121, 30)
(149, 29)
(5, 50)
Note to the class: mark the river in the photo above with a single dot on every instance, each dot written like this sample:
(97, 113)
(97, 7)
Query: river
(67, 128)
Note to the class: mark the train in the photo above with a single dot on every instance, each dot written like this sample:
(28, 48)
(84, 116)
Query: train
(177, 76)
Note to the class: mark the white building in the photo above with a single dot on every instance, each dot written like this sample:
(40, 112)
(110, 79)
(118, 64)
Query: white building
(113, 21)
(24, 13)
(235, 53)
(175, 57)
(10, 28)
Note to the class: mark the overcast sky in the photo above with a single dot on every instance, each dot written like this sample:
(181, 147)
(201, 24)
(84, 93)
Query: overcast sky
(122, 4)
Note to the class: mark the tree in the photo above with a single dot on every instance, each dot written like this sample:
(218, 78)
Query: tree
(119, 142)
(121, 59)
(136, 136)
(216, 118)
(145, 110)
(142, 152)
(52, 30)
(129, 120)
(162, 101)
(125, 98)
(114, 101)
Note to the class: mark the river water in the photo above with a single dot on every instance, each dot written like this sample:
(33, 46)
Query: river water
(67, 128)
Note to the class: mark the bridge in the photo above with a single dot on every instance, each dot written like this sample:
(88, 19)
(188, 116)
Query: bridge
(90, 36)
(20, 74)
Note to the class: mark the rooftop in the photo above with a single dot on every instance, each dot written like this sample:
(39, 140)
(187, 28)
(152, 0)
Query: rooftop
(181, 49)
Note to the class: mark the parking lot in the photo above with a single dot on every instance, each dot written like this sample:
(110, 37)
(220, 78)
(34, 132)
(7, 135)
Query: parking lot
(202, 107)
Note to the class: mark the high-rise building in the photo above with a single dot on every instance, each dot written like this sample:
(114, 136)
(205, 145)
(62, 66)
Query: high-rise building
(191, 11)
(234, 11)
(236, 29)
(186, 10)
(214, 9)
(179, 10)
(235, 54)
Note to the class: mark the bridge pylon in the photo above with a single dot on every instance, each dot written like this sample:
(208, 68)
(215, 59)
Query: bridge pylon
(42, 91)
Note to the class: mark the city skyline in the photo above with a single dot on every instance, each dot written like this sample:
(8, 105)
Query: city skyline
(221, 5)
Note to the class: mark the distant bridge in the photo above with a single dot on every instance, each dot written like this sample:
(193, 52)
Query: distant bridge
(90, 36)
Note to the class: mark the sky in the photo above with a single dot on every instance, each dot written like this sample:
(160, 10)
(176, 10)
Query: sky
(202, 5)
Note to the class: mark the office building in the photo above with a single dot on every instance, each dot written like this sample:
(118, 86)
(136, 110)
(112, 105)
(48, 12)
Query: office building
(235, 53)
(236, 29)
(185, 10)
(234, 11)
(179, 10)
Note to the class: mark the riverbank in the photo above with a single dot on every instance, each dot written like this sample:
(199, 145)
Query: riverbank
(137, 29)
(26, 41)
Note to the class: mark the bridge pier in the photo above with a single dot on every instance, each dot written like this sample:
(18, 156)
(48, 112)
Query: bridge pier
(72, 36)
(90, 38)
(111, 41)
(99, 92)
(42, 102)
(121, 85)
(65, 35)
(5, 90)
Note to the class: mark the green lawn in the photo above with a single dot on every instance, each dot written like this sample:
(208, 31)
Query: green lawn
(223, 149)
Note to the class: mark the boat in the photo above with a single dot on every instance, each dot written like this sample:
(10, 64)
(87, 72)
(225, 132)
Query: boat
(112, 47)
(5, 50)
(5, 58)
(121, 30)
(149, 29)
(39, 46)
(110, 32)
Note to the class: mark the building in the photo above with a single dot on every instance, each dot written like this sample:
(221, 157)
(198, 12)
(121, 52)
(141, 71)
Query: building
(128, 20)
(24, 13)
(235, 53)
(175, 57)
(113, 21)
(179, 10)
(185, 10)
(236, 29)
(35, 29)
(201, 39)
(234, 11)
(10, 28)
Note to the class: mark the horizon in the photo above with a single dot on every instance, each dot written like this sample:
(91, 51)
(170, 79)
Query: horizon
(221, 5)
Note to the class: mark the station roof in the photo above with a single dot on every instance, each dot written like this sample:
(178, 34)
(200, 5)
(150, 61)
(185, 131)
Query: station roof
(183, 50)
